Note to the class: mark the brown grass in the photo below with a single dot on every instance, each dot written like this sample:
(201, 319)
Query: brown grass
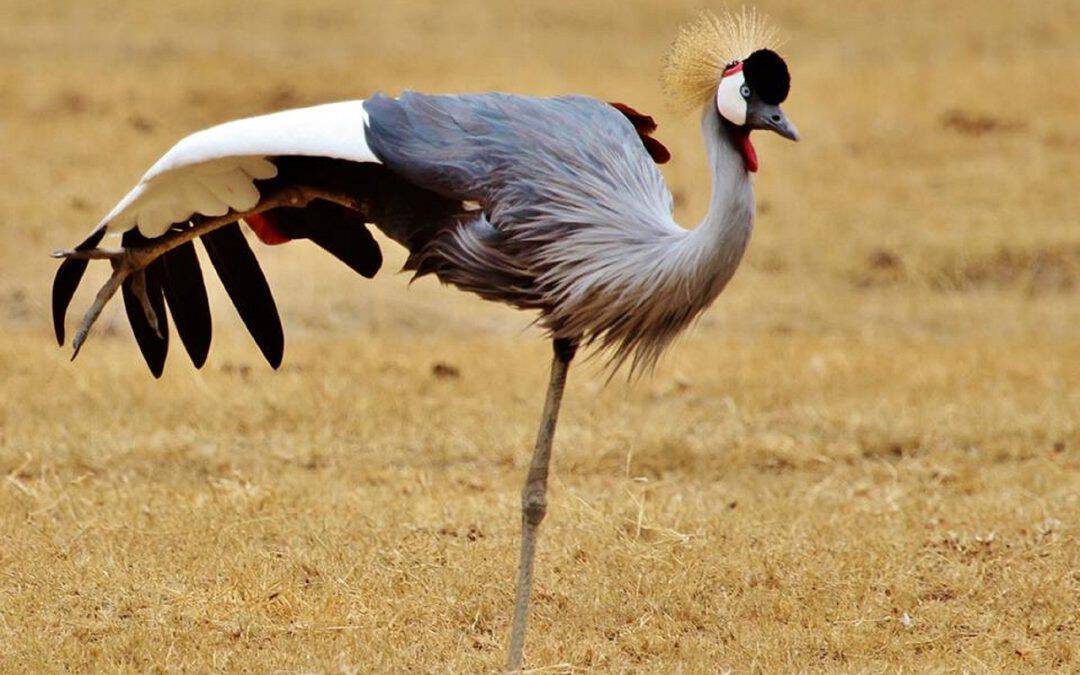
(865, 458)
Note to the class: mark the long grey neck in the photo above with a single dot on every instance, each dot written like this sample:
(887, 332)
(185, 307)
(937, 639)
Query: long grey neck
(722, 236)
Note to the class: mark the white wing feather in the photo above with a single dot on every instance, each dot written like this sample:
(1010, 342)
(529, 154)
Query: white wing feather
(214, 170)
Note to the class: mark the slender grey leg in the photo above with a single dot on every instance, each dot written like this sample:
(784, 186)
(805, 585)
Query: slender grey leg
(534, 496)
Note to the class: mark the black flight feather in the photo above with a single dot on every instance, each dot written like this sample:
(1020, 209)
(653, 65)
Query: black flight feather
(246, 285)
(66, 282)
(154, 347)
(185, 293)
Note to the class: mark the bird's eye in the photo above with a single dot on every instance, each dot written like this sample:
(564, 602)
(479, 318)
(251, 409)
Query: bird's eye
(745, 91)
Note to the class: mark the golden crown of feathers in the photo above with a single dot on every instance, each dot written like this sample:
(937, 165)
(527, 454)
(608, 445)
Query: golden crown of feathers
(704, 47)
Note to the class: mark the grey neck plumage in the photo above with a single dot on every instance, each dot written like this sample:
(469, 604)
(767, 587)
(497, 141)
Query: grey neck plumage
(720, 240)
(687, 273)
(732, 202)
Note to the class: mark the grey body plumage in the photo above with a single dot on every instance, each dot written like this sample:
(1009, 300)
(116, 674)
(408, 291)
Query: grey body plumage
(576, 219)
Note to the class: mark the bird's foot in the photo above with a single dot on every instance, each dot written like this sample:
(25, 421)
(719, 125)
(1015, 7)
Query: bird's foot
(126, 262)
(131, 261)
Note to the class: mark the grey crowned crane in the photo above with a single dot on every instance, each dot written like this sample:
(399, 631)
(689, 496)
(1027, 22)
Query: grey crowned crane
(547, 204)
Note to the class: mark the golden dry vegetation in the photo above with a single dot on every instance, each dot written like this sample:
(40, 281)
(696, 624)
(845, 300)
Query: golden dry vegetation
(865, 458)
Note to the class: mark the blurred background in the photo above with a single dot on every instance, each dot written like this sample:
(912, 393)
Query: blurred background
(937, 173)
(893, 374)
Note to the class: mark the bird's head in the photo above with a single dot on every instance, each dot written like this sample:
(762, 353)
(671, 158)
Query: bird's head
(751, 91)
(729, 62)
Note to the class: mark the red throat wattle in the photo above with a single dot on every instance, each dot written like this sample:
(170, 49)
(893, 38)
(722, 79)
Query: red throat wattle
(749, 155)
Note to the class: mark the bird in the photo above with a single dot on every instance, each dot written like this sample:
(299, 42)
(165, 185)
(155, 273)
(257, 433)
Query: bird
(554, 205)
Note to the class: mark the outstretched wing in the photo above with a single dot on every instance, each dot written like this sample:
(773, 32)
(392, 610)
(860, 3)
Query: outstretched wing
(229, 169)
(562, 180)
(214, 170)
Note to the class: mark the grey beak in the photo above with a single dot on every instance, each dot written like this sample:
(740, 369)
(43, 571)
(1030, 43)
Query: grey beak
(778, 122)
(766, 116)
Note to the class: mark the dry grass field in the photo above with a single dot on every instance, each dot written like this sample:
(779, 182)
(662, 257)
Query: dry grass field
(865, 458)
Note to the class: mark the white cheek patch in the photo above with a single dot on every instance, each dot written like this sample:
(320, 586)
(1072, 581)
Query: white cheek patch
(729, 99)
